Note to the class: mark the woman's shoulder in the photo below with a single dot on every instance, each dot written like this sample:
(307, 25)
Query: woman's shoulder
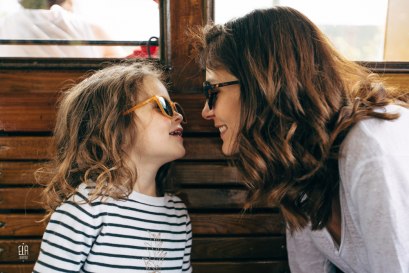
(375, 152)
(375, 136)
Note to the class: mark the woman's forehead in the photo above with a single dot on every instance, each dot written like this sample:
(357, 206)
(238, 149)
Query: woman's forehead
(220, 74)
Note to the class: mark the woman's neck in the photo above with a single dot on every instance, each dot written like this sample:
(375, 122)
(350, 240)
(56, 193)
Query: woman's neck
(334, 223)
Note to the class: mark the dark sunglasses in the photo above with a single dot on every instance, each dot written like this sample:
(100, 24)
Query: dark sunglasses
(210, 91)
(168, 108)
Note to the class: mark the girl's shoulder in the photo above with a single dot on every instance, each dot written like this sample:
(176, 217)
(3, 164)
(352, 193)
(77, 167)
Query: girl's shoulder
(83, 194)
(79, 208)
(175, 201)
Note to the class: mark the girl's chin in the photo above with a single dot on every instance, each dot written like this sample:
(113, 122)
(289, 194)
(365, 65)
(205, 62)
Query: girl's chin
(181, 154)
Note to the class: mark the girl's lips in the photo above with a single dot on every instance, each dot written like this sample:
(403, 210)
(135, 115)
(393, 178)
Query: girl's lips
(177, 132)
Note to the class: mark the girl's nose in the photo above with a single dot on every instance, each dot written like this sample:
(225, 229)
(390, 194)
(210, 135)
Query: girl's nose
(178, 117)
(206, 112)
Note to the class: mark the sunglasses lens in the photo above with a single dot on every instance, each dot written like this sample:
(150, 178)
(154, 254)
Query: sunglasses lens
(179, 109)
(211, 100)
(209, 93)
(206, 88)
(165, 104)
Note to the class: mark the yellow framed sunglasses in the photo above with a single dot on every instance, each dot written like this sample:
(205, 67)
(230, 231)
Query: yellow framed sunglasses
(167, 107)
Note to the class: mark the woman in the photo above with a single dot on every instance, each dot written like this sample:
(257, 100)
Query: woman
(316, 134)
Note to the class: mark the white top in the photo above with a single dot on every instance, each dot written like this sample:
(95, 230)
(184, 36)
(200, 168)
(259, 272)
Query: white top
(140, 234)
(374, 196)
(55, 24)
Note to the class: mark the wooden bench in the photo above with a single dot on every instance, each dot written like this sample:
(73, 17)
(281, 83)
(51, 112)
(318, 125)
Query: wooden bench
(224, 238)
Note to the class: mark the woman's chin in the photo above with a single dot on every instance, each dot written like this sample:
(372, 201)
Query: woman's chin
(229, 150)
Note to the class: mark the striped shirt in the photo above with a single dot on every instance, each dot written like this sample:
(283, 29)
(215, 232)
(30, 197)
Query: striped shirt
(139, 234)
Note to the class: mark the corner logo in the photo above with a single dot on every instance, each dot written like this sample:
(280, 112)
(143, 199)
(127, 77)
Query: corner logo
(23, 252)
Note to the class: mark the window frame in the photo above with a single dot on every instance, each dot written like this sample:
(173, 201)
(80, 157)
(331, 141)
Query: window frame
(184, 75)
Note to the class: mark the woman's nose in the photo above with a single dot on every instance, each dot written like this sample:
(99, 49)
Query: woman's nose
(206, 112)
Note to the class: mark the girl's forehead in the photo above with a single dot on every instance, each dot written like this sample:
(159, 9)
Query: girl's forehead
(153, 86)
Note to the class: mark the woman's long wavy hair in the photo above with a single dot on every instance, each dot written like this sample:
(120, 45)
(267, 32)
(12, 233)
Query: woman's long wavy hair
(91, 136)
(299, 98)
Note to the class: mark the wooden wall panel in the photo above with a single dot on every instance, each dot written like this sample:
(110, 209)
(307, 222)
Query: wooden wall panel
(244, 224)
(16, 268)
(237, 224)
(20, 198)
(241, 267)
(202, 198)
(186, 75)
(29, 105)
(205, 173)
(21, 224)
(239, 247)
(198, 267)
(40, 148)
(18, 173)
(26, 148)
(10, 251)
(211, 248)
(185, 173)
(400, 81)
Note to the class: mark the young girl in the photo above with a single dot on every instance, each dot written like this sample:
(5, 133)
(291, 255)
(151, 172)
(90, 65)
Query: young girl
(115, 133)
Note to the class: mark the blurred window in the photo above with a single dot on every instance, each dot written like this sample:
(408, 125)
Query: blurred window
(365, 30)
(79, 28)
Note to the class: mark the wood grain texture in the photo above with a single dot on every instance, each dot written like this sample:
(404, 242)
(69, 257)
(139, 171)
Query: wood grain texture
(20, 198)
(19, 173)
(26, 148)
(186, 75)
(17, 268)
(203, 249)
(223, 198)
(239, 248)
(244, 224)
(237, 224)
(19, 224)
(241, 267)
(30, 105)
(187, 173)
(205, 173)
(41, 148)
(198, 267)
(400, 81)
(10, 251)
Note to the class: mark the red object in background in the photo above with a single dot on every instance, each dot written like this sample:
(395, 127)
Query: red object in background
(142, 52)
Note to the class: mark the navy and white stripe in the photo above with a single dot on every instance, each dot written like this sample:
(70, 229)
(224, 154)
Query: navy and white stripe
(139, 234)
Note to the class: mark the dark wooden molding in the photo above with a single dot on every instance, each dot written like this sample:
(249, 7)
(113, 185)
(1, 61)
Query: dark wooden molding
(79, 64)
(97, 63)
(387, 67)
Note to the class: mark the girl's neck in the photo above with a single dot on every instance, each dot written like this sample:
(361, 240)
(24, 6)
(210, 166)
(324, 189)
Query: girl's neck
(146, 180)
